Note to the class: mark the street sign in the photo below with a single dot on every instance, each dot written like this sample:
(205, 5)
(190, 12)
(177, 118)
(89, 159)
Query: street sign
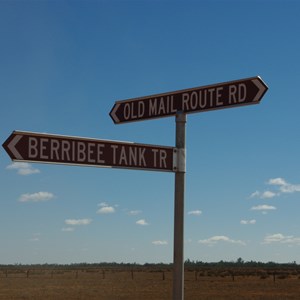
(217, 96)
(58, 149)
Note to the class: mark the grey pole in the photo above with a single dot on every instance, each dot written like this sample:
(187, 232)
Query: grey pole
(178, 259)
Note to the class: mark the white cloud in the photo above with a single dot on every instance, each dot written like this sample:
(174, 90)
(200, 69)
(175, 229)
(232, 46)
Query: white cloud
(36, 197)
(280, 238)
(142, 222)
(264, 195)
(274, 238)
(248, 222)
(34, 239)
(23, 168)
(254, 194)
(75, 222)
(220, 238)
(290, 188)
(267, 195)
(106, 210)
(67, 229)
(277, 181)
(195, 212)
(159, 243)
(263, 207)
(134, 212)
(284, 186)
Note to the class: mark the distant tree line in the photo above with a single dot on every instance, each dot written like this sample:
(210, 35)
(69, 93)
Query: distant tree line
(240, 263)
(188, 263)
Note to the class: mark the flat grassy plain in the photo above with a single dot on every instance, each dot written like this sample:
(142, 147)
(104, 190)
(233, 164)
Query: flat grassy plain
(147, 283)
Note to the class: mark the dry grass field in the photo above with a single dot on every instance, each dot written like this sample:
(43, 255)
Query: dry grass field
(146, 283)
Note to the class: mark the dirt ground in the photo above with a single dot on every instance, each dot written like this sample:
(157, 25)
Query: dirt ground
(142, 284)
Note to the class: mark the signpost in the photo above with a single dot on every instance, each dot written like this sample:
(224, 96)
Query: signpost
(45, 148)
(217, 96)
(49, 148)
(179, 103)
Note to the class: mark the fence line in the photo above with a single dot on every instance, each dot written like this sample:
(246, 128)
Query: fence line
(134, 274)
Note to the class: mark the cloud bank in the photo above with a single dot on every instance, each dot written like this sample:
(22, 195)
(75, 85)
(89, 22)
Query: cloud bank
(76, 222)
(105, 209)
(220, 238)
(23, 168)
(142, 222)
(36, 197)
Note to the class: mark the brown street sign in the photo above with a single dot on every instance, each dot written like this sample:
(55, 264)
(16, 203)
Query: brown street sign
(217, 96)
(58, 149)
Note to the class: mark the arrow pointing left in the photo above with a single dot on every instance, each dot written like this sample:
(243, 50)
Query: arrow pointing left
(10, 146)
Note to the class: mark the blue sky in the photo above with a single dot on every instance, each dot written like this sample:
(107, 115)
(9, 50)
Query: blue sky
(65, 63)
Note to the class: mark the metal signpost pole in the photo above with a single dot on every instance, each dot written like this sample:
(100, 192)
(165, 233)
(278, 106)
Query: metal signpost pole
(178, 260)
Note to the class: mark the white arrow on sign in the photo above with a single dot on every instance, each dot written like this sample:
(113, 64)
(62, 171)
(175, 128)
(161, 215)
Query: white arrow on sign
(12, 146)
(261, 90)
(113, 113)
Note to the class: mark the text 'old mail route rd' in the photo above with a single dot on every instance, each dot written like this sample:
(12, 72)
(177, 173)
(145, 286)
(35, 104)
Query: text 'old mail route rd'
(218, 96)
(48, 148)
